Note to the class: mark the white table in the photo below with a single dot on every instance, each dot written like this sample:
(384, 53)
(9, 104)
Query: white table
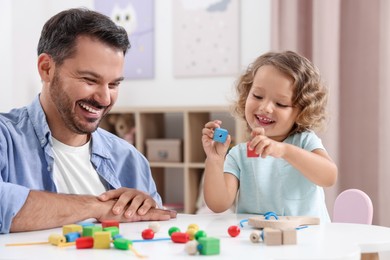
(327, 241)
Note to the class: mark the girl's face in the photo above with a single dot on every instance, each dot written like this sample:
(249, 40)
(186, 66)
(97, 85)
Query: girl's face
(269, 103)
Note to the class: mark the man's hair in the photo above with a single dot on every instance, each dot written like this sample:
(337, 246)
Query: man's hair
(59, 34)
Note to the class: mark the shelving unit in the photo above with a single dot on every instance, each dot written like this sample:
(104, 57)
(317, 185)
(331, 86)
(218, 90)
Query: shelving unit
(183, 123)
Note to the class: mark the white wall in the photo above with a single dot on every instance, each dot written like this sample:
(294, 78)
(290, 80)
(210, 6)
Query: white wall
(21, 22)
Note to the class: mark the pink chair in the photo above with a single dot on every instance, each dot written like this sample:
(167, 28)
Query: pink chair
(353, 206)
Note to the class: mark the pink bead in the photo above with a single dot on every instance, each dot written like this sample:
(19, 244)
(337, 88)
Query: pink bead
(148, 234)
(234, 231)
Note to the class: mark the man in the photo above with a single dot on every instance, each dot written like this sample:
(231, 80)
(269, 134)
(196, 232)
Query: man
(54, 160)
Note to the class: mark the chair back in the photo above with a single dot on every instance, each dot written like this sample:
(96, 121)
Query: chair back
(353, 206)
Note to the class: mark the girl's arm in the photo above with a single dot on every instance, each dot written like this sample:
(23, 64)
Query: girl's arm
(317, 165)
(219, 189)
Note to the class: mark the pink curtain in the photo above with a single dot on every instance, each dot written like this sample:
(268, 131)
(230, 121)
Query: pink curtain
(348, 40)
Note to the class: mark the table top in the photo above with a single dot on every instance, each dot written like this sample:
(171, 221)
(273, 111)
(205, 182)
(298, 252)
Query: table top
(325, 241)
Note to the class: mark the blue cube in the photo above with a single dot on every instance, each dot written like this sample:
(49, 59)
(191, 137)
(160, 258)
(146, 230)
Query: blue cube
(220, 135)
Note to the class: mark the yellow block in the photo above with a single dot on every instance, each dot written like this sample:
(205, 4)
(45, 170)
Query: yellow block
(102, 240)
(71, 228)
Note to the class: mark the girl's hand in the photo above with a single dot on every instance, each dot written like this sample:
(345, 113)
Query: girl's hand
(265, 146)
(214, 149)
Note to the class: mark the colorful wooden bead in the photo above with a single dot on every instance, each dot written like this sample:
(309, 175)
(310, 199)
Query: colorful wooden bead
(220, 135)
(110, 223)
(234, 231)
(71, 228)
(191, 232)
(148, 234)
(122, 243)
(194, 226)
(102, 240)
(88, 231)
(113, 230)
(191, 247)
(71, 237)
(208, 246)
(56, 239)
(255, 237)
(172, 230)
(199, 234)
(179, 237)
(84, 242)
(155, 226)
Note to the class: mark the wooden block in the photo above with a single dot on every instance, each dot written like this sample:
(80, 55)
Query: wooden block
(289, 236)
(71, 229)
(102, 240)
(272, 236)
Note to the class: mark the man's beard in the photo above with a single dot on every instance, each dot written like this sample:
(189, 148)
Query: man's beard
(64, 107)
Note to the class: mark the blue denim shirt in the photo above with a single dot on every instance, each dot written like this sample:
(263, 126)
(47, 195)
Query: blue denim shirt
(26, 161)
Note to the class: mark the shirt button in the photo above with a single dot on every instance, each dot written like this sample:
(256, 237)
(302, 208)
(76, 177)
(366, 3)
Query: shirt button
(43, 141)
(48, 168)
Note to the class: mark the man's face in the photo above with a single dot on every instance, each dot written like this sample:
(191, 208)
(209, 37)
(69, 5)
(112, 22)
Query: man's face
(85, 87)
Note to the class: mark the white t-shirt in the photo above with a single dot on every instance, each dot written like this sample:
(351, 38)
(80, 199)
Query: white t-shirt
(73, 171)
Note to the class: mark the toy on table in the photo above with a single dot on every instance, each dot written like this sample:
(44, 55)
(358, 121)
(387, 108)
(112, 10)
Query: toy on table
(234, 231)
(278, 230)
(220, 135)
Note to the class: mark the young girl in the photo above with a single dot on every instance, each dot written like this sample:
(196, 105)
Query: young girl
(282, 99)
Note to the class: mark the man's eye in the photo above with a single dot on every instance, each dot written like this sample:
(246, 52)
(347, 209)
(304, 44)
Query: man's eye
(89, 81)
(114, 85)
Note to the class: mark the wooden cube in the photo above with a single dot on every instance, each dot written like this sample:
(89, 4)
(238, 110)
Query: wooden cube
(72, 228)
(272, 236)
(102, 240)
(289, 236)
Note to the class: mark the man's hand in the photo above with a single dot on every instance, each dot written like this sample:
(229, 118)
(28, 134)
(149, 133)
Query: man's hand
(129, 202)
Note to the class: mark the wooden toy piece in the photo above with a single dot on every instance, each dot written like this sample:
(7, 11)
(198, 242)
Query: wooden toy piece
(180, 237)
(56, 239)
(199, 234)
(283, 222)
(193, 226)
(255, 237)
(147, 234)
(272, 237)
(234, 231)
(72, 236)
(251, 153)
(102, 240)
(114, 230)
(220, 135)
(289, 236)
(71, 228)
(208, 246)
(84, 242)
(191, 232)
(155, 226)
(88, 231)
(191, 247)
(122, 243)
(173, 230)
(110, 223)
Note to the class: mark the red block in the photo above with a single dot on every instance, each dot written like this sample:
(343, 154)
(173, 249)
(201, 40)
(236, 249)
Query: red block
(110, 223)
(251, 153)
(84, 242)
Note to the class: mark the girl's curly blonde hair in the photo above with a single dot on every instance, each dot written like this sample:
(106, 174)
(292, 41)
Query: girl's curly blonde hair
(310, 95)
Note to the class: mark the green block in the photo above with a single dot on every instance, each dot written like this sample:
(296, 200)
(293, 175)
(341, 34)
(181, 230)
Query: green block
(122, 243)
(208, 246)
(113, 230)
(88, 231)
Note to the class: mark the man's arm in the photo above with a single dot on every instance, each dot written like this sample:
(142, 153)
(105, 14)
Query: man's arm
(44, 210)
